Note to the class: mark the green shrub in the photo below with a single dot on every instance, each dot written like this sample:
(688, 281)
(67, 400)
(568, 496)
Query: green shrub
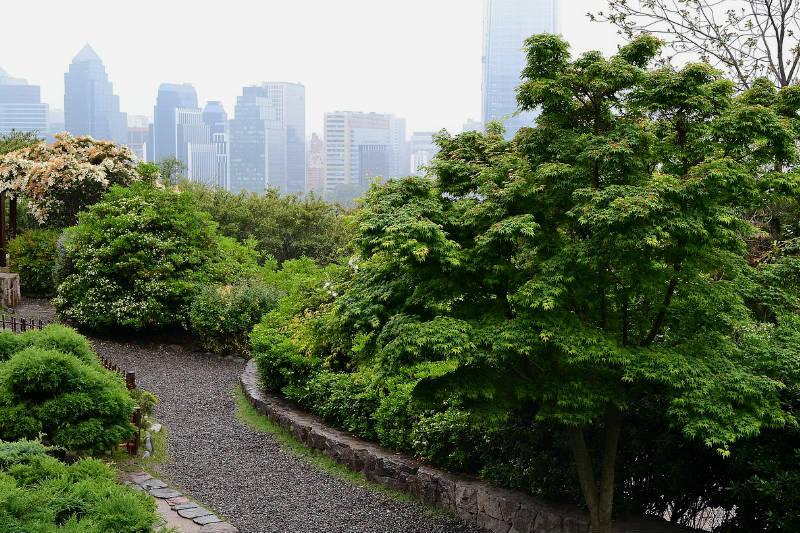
(223, 315)
(40, 493)
(137, 258)
(146, 401)
(78, 406)
(32, 255)
(282, 226)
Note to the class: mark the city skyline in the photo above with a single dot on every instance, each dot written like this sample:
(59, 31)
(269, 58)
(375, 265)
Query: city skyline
(431, 75)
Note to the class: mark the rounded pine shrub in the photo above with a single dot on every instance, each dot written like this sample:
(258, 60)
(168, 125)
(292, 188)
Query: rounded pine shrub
(32, 255)
(78, 406)
(136, 260)
(223, 315)
(54, 336)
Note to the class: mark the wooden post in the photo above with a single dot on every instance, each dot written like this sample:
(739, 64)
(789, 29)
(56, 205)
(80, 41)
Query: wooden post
(12, 218)
(3, 236)
(130, 379)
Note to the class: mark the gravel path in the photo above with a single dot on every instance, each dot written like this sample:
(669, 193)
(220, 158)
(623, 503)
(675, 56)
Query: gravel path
(244, 475)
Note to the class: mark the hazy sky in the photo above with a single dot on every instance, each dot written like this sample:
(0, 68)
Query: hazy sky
(420, 59)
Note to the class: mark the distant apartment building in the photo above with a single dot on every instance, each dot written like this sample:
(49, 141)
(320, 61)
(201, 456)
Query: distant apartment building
(138, 135)
(315, 165)
(353, 140)
(90, 105)
(507, 23)
(21, 108)
(267, 139)
(423, 150)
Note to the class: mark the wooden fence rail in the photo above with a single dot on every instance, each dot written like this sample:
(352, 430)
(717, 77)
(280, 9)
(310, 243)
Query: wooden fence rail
(18, 325)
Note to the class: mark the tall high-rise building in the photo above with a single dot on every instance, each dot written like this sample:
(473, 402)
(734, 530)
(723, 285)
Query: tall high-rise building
(423, 150)
(507, 23)
(90, 105)
(21, 108)
(472, 125)
(171, 97)
(247, 156)
(55, 123)
(346, 132)
(267, 139)
(315, 165)
(215, 117)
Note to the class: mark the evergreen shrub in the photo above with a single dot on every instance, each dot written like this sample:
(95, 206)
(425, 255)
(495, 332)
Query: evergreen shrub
(32, 255)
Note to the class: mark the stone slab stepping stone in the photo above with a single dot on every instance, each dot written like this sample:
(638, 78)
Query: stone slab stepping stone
(153, 484)
(164, 493)
(194, 512)
(208, 519)
(155, 428)
(140, 477)
(177, 501)
(219, 527)
(181, 506)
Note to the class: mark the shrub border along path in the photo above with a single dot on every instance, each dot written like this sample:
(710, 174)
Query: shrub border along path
(496, 509)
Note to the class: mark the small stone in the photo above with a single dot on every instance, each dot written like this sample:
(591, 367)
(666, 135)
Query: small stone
(145, 454)
(188, 505)
(180, 500)
(208, 519)
(153, 483)
(148, 442)
(239, 360)
(175, 348)
(155, 428)
(164, 493)
(194, 512)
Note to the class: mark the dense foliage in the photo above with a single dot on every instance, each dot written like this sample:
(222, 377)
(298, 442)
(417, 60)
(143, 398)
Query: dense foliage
(137, 259)
(60, 180)
(53, 385)
(32, 255)
(224, 315)
(40, 493)
(593, 271)
(282, 226)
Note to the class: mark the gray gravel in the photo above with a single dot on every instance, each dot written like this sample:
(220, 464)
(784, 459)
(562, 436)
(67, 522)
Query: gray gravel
(243, 475)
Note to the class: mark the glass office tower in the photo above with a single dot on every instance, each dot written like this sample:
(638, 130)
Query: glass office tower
(507, 23)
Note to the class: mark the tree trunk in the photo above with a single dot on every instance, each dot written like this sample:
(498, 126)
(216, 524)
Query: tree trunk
(598, 493)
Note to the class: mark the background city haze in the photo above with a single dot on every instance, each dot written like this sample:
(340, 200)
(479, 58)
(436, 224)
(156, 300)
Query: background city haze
(420, 59)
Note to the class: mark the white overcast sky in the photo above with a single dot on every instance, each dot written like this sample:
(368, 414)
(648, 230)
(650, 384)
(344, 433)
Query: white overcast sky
(419, 59)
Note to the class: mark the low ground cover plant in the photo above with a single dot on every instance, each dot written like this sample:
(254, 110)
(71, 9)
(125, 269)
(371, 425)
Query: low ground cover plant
(52, 385)
(40, 493)
(32, 255)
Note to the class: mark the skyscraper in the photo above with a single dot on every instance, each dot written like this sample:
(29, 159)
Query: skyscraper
(247, 159)
(346, 132)
(90, 105)
(267, 139)
(171, 97)
(215, 117)
(138, 135)
(20, 106)
(507, 23)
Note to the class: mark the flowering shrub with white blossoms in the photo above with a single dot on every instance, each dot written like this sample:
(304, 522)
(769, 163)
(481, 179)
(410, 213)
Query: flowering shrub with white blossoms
(61, 179)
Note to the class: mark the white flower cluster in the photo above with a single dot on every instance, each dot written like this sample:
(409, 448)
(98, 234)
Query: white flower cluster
(72, 170)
